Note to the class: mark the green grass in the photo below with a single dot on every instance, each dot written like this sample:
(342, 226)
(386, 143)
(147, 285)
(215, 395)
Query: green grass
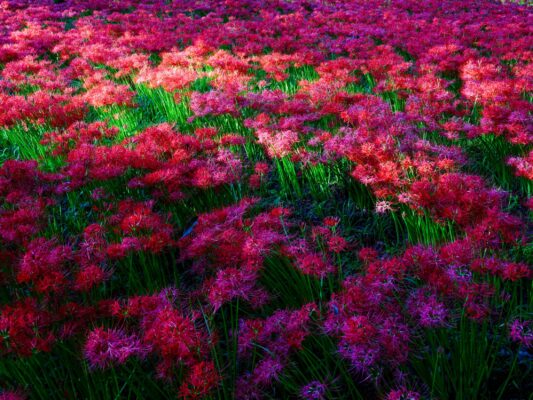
(474, 360)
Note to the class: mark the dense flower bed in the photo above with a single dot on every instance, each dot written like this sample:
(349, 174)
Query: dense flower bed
(265, 199)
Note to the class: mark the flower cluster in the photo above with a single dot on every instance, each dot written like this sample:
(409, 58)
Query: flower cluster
(133, 135)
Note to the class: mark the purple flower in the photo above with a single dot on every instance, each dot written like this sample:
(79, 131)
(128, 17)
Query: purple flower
(314, 390)
(521, 332)
(105, 347)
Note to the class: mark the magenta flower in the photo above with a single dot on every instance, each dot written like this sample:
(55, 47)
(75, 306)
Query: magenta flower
(314, 390)
(107, 347)
(522, 332)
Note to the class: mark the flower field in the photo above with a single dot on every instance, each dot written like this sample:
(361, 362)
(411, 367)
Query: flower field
(266, 199)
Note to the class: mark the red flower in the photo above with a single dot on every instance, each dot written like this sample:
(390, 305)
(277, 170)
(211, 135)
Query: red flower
(106, 347)
(201, 380)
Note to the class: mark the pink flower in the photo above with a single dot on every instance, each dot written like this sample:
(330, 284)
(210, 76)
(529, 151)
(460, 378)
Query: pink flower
(12, 395)
(522, 332)
(427, 309)
(403, 394)
(212, 103)
(383, 206)
(267, 371)
(202, 379)
(106, 347)
(314, 390)
(337, 244)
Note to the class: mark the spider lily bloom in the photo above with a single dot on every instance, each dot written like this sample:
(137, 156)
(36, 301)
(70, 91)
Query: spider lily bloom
(521, 331)
(107, 347)
(314, 390)
(201, 380)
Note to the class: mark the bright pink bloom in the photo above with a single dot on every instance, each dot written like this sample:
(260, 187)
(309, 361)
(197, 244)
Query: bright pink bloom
(107, 347)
